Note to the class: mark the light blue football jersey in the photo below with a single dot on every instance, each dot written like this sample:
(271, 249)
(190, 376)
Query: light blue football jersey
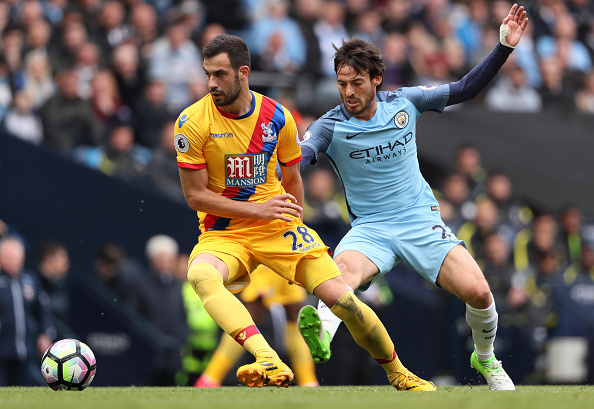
(376, 160)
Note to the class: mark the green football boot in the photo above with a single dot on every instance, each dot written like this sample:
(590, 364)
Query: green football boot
(495, 375)
(314, 334)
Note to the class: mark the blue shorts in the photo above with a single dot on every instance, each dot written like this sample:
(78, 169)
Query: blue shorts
(422, 241)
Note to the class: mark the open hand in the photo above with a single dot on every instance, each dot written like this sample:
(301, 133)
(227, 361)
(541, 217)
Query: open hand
(277, 205)
(516, 22)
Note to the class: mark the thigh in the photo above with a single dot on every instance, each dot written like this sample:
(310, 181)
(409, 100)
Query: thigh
(424, 245)
(227, 252)
(368, 242)
(461, 276)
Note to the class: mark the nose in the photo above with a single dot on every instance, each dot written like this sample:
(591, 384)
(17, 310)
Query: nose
(212, 84)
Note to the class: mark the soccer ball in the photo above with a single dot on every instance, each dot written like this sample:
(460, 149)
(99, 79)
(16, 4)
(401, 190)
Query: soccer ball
(68, 364)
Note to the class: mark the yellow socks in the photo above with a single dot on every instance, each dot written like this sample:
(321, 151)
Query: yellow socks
(227, 311)
(367, 330)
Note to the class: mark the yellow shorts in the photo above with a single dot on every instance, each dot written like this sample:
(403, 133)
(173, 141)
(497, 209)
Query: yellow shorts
(272, 289)
(277, 244)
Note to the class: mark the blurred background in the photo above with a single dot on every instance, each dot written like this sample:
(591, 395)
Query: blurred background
(89, 187)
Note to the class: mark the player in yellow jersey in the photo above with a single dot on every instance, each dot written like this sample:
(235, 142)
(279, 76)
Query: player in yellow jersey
(267, 291)
(228, 146)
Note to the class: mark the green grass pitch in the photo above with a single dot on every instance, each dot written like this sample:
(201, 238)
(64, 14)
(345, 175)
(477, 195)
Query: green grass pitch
(325, 397)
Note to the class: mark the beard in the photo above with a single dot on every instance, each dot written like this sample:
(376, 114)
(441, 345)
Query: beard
(360, 108)
(227, 98)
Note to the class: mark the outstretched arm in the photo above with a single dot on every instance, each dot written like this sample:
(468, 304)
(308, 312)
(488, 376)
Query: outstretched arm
(476, 80)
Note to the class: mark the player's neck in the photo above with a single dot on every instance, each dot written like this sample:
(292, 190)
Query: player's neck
(242, 105)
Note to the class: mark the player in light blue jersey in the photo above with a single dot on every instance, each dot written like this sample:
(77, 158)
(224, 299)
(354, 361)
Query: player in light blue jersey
(370, 140)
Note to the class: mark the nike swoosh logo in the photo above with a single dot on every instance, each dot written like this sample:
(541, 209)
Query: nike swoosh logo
(183, 120)
(352, 136)
(492, 329)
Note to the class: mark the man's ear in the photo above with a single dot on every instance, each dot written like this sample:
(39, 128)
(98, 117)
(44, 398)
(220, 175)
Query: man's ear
(377, 80)
(244, 72)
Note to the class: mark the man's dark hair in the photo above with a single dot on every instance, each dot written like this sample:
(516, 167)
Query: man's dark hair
(362, 55)
(235, 47)
(48, 248)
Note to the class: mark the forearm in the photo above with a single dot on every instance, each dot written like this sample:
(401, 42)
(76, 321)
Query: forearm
(296, 189)
(210, 202)
(479, 77)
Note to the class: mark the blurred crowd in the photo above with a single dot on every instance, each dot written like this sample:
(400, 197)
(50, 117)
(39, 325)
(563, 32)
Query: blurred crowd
(102, 82)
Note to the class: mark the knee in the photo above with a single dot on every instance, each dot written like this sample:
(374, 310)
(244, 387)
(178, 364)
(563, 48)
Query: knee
(479, 295)
(349, 275)
(200, 273)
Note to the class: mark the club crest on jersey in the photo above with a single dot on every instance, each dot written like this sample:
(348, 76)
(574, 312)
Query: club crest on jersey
(245, 170)
(182, 144)
(269, 135)
(401, 119)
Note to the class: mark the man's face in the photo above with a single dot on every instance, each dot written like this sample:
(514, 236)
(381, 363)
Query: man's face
(223, 81)
(357, 92)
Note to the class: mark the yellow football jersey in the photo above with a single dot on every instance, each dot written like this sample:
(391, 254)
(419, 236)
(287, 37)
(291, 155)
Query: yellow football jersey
(239, 152)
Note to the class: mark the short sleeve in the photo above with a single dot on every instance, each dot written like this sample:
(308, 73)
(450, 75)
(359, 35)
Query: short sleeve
(289, 151)
(189, 142)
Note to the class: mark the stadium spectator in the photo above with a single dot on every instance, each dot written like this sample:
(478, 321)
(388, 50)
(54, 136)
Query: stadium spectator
(27, 329)
(53, 266)
(87, 66)
(71, 35)
(5, 88)
(144, 21)
(571, 235)
(119, 157)
(113, 29)
(324, 208)
(456, 192)
(584, 97)
(368, 26)
(512, 212)
(163, 172)
(67, 119)
(396, 16)
(130, 75)
(539, 238)
(22, 122)
(152, 112)
(564, 45)
(468, 163)
(115, 270)
(279, 45)
(399, 71)
(175, 60)
(557, 89)
(168, 314)
(513, 93)
(106, 103)
(37, 38)
(485, 223)
(39, 82)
